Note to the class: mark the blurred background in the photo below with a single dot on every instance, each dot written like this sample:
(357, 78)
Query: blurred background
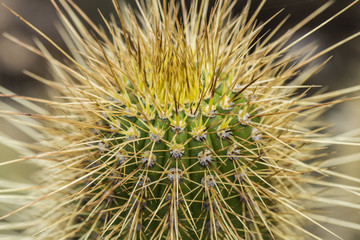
(342, 71)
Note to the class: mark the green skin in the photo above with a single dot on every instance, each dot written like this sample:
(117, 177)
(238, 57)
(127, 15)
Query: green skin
(194, 203)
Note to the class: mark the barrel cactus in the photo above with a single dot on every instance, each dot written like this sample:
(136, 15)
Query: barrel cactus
(175, 124)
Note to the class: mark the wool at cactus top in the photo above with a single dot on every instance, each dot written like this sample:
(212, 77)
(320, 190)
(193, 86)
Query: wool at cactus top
(175, 124)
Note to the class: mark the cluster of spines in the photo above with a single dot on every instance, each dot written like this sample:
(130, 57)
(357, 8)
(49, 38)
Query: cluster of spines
(172, 156)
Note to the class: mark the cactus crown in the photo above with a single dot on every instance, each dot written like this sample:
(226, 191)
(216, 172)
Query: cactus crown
(177, 128)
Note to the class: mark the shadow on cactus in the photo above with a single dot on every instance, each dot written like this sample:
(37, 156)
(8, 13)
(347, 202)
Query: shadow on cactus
(168, 127)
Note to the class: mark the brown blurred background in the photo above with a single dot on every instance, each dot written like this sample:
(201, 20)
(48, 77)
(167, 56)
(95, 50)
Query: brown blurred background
(342, 71)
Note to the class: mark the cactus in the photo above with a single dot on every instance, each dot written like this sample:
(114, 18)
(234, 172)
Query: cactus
(175, 128)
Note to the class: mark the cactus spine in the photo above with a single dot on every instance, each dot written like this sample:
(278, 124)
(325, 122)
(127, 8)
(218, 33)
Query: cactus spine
(174, 129)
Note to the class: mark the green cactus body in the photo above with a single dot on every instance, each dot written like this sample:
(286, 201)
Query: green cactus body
(173, 174)
(173, 127)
